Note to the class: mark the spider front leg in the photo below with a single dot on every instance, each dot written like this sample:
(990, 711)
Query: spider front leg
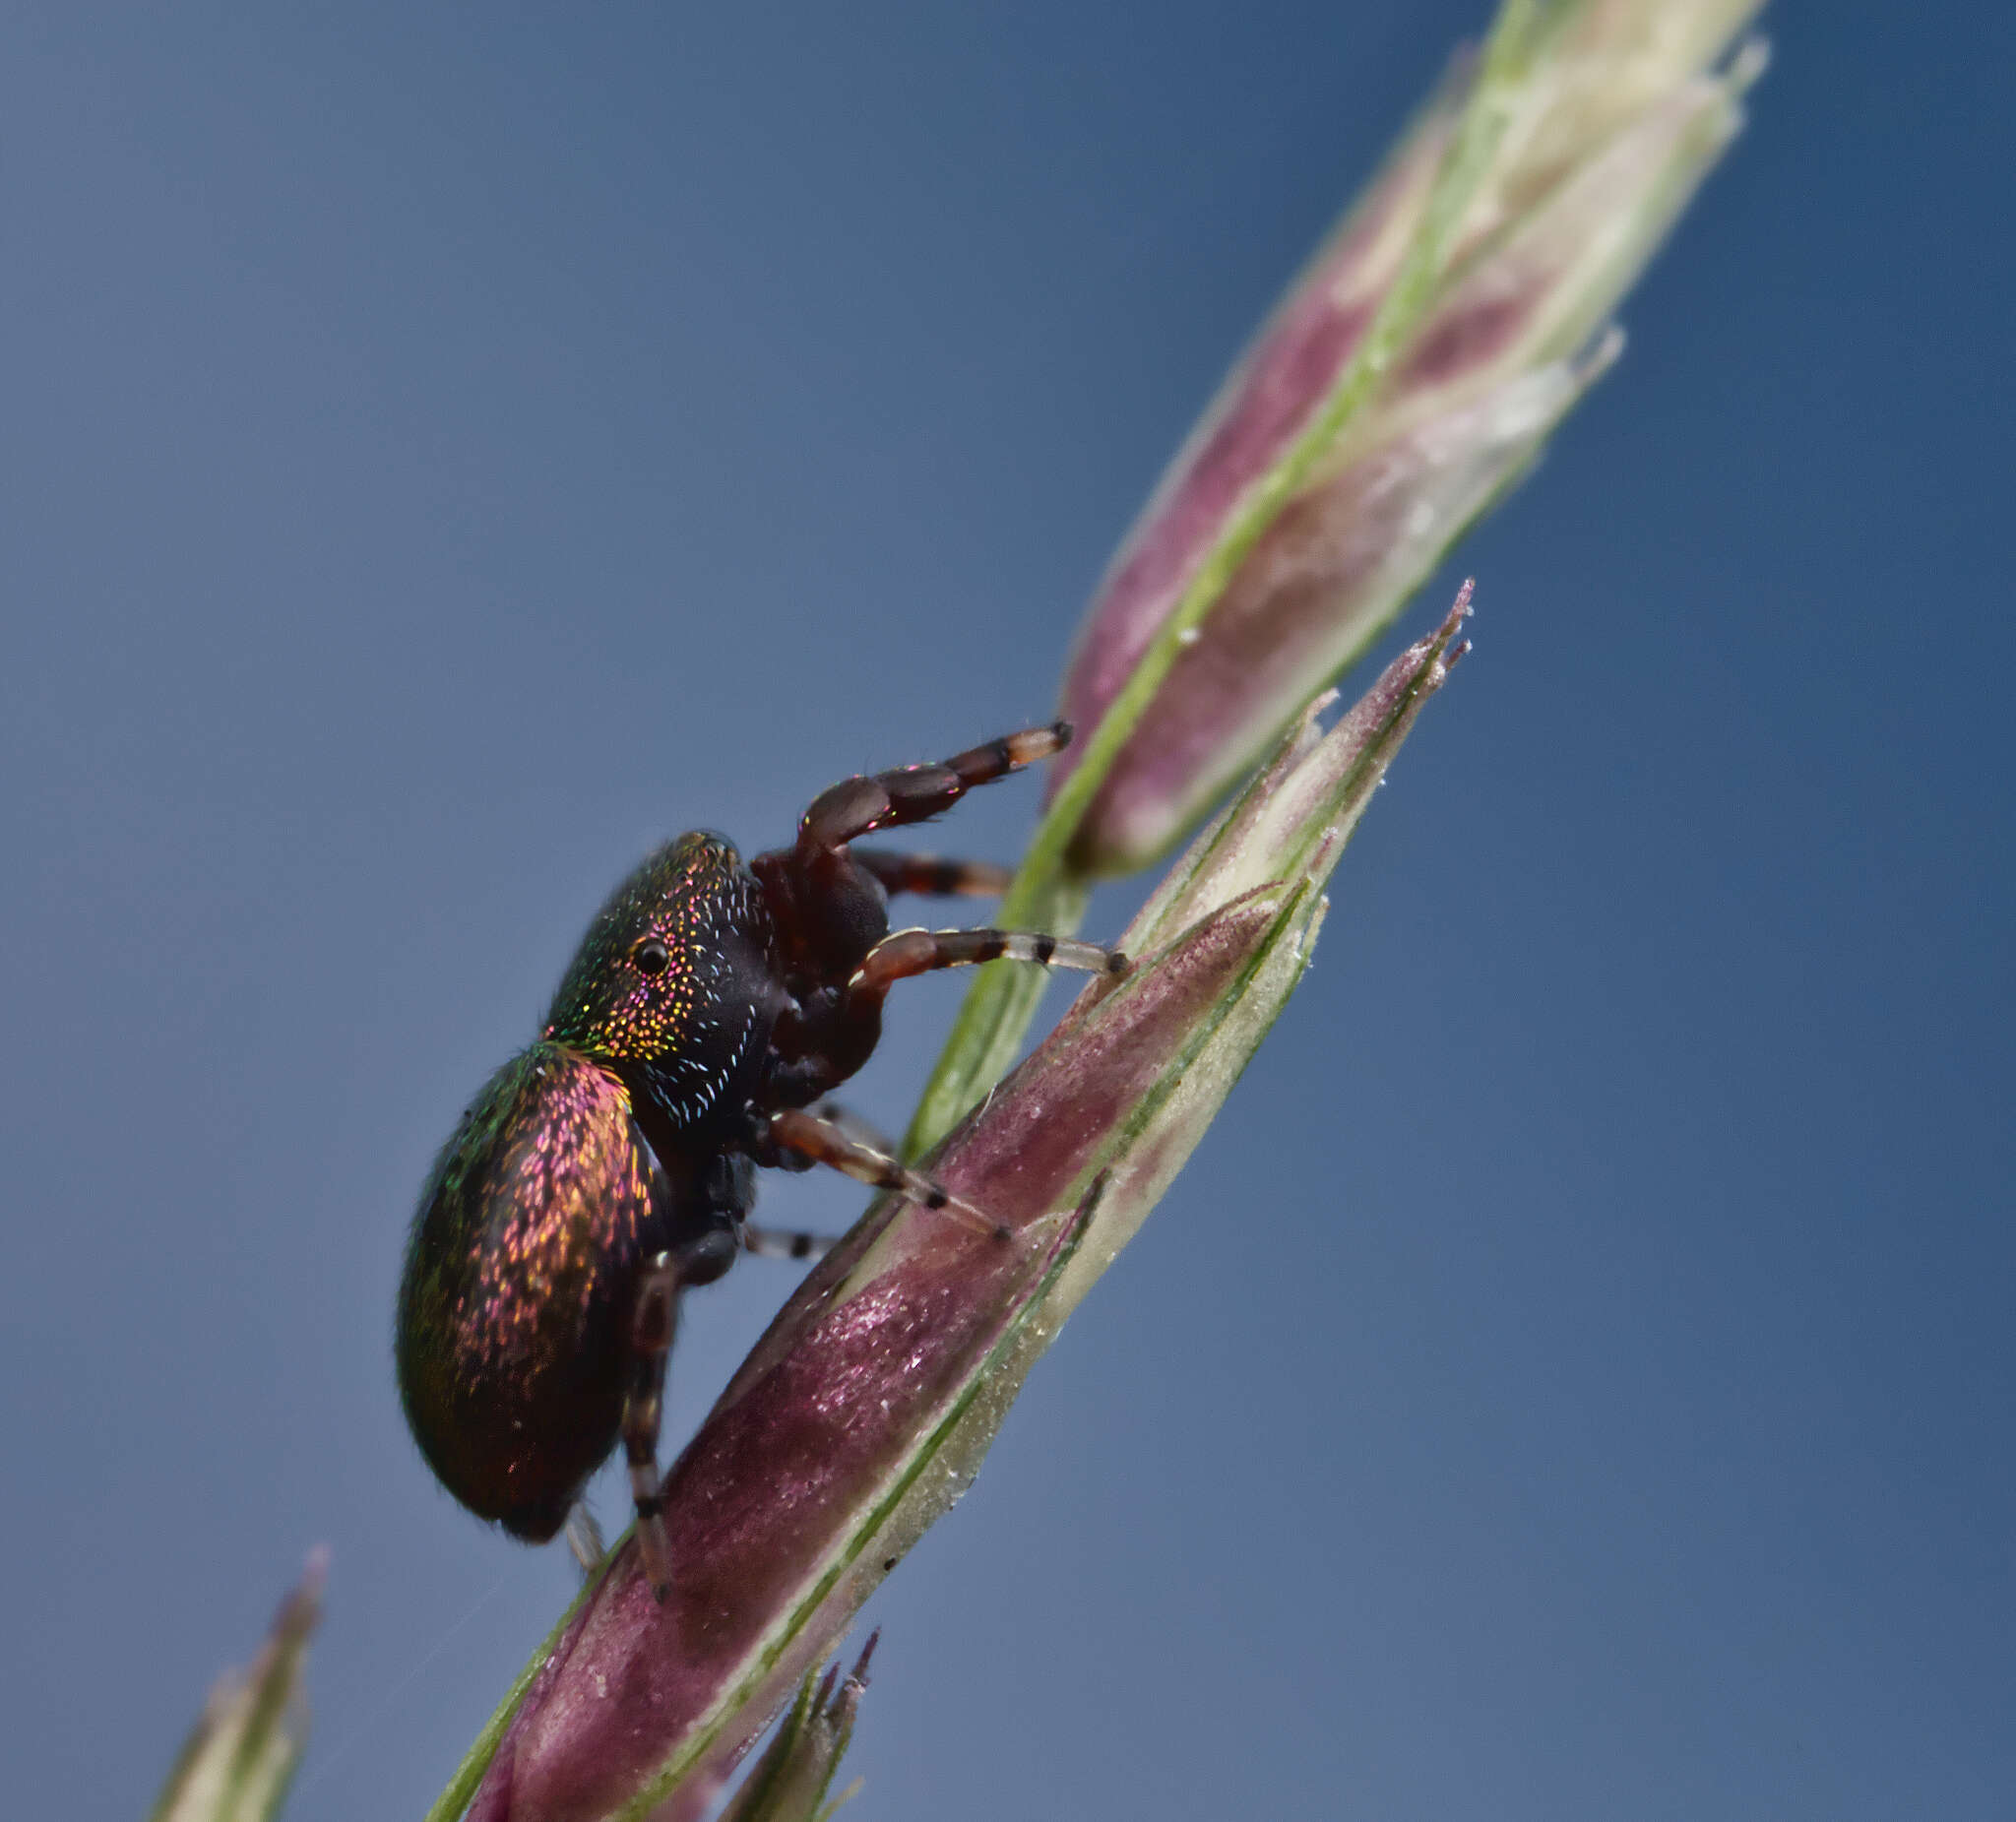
(921, 952)
(858, 807)
(651, 1324)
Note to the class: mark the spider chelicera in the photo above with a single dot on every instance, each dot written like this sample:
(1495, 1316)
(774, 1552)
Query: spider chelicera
(612, 1163)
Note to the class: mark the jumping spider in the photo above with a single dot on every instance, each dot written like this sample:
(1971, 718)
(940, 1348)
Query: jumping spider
(612, 1163)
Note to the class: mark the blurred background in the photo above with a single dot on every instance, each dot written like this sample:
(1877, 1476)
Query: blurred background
(448, 449)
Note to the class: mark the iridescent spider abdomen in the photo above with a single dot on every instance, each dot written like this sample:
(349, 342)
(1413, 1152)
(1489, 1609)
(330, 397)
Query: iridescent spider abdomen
(515, 1305)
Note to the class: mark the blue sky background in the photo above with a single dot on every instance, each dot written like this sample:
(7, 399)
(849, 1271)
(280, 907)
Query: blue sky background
(449, 449)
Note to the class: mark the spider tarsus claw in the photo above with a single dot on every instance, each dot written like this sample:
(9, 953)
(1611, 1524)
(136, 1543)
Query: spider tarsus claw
(1118, 963)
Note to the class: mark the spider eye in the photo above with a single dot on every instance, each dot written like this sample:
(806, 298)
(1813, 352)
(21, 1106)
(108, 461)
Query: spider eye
(652, 957)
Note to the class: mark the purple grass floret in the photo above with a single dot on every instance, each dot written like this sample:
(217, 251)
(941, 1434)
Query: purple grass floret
(1410, 377)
